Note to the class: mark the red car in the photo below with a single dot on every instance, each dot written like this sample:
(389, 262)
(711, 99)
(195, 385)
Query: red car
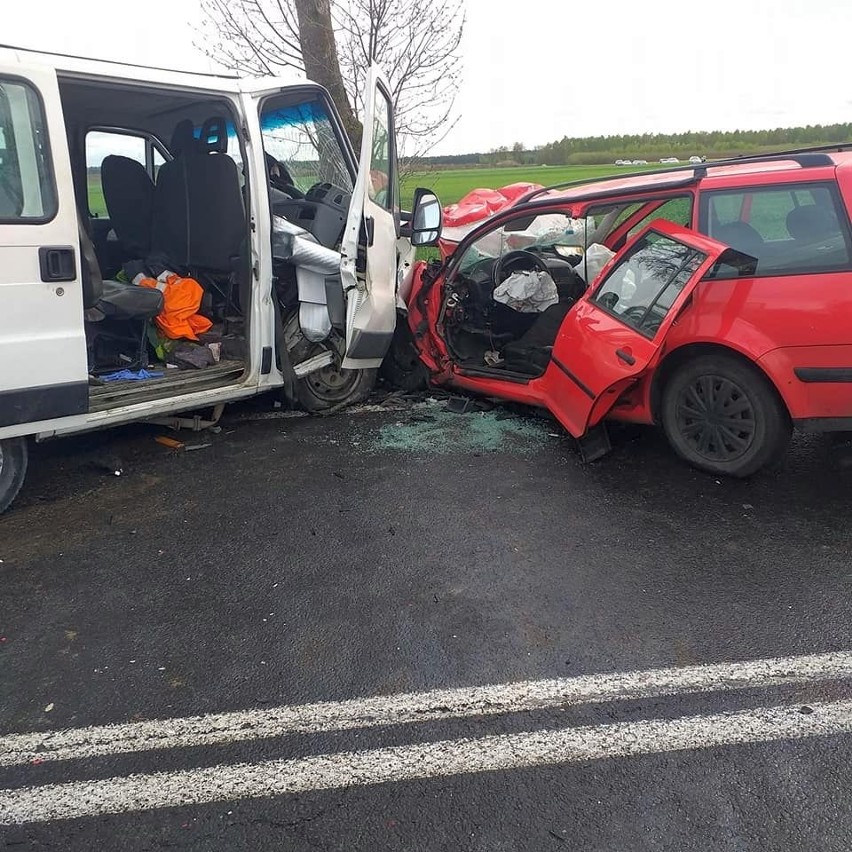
(722, 311)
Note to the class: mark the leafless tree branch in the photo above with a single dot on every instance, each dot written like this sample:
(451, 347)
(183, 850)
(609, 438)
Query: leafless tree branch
(417, 43)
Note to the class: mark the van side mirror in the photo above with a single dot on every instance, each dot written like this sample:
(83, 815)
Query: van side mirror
(426, 218)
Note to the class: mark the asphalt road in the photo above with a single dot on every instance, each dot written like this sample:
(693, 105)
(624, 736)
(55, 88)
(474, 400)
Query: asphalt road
(292, 561)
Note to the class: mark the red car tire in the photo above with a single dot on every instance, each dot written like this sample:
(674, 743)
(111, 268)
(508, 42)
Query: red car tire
(723, 416)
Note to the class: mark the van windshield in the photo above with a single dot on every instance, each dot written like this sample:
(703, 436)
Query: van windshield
(302, 138)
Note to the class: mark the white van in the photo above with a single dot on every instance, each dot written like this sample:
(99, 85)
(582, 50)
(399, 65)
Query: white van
(112, 174)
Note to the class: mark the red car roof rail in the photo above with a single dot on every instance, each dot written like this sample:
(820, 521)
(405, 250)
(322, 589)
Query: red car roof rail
(807, 158)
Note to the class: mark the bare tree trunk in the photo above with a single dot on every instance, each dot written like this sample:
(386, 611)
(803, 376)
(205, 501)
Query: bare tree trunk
(319, 53)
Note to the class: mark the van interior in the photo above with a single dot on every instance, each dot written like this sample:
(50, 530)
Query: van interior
(157, 193)
(161, 188)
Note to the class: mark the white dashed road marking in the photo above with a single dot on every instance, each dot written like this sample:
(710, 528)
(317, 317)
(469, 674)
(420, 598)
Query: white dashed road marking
(221, 728)
(410, 762)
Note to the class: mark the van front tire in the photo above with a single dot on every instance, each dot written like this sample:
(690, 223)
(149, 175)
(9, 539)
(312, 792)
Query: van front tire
(14, 455)
(332, 388)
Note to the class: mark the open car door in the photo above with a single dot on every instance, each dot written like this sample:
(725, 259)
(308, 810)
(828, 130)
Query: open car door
(369, 264)
(616, 331)
(43, 367)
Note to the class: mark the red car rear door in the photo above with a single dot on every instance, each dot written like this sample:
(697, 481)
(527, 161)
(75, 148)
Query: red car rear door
(615, 333)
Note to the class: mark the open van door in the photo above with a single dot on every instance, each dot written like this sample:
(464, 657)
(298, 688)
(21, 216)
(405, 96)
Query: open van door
(43, 365)
(369, 265)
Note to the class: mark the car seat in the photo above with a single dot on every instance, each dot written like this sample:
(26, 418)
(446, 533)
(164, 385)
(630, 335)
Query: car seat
(809, 224)
(741, 236)
(199, 217)
(129, 196)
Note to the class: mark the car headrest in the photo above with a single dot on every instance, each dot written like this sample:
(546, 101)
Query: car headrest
(183, 137)
(214, 135)
(741, 236)
(810, 222)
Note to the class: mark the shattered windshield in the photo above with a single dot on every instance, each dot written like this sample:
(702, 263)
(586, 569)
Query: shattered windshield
(558, 231)
(302, 138)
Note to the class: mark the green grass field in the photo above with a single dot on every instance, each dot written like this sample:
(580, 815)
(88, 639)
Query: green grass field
(453, 184)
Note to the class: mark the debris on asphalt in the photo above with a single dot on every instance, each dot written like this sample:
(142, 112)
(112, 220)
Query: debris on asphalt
(192, 447)
(460, 404)
(436, 429)
(49, 707)
(466, 404)
(108, 464)
(171, 443)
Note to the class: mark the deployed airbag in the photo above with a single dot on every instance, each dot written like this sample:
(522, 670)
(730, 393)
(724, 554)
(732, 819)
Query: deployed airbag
(315, 265)
(527, 291)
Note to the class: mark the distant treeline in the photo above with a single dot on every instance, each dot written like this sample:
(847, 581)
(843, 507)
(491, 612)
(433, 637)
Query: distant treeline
(591, 150)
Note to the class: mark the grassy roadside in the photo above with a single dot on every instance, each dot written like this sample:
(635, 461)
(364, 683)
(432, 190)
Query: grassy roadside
(452, 184)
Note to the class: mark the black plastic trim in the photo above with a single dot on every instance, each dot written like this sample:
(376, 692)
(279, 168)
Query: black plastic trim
(29, 405)
(585, 388)
(503, 375)
(266, 361)
(826, 375)
(369, 344)
(805, 157)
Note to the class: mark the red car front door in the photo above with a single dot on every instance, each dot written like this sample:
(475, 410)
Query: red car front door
(616, 331)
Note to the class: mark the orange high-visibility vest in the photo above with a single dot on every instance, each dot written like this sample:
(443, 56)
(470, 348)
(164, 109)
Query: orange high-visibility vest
(181, 302)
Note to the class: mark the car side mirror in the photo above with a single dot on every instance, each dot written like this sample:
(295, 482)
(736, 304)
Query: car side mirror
(426, 218)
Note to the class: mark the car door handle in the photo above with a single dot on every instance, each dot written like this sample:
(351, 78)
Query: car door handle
(625, 356)
(57, 263)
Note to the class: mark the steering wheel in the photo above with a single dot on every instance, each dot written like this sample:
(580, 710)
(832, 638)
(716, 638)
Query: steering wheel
(644, 319)
(636, 313)
(283, 181)
(514, 261)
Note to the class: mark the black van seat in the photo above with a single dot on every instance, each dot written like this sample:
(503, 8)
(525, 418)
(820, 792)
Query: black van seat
(199, 219)
(129, 196)
(114, 310)
(113, 298)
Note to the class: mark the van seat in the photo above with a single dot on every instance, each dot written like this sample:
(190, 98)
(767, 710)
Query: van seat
(129, 196)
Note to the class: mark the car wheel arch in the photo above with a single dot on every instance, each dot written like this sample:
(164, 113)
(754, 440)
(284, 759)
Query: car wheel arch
(689, 351)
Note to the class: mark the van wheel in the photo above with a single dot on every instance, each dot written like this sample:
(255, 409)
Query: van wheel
(13, 468)
(331, 387)
(721, 415)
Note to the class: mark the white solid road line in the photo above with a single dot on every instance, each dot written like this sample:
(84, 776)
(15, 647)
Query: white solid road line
(423, 760)
(401, 709)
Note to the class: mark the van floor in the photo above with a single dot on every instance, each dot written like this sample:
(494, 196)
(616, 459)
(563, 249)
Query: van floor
(172, 383)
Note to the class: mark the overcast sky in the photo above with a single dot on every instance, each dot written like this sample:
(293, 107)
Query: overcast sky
(537, 70)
